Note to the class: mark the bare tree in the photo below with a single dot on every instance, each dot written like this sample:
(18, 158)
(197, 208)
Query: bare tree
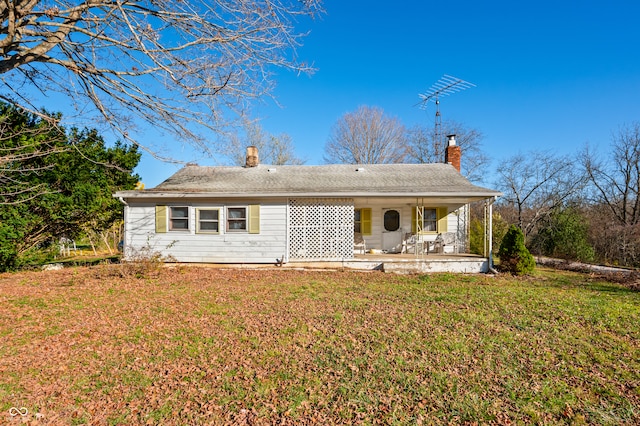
(615, 180)
(366, 136)
(423, 148)
(614, 183)
(181, 66)
(534, 184)
(272, 149)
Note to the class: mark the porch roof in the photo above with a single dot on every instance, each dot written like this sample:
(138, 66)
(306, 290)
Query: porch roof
(342, 180)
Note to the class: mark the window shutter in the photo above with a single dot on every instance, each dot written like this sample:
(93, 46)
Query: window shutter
(161, 219)
(365, 221)
(254, 219)
(442, 220)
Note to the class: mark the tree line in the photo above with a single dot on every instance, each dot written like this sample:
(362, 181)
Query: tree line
(582, 207)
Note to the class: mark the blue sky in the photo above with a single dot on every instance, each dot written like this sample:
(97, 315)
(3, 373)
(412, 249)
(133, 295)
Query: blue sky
(548, 75)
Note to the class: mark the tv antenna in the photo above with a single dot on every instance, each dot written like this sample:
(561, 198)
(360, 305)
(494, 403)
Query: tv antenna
(443, 87)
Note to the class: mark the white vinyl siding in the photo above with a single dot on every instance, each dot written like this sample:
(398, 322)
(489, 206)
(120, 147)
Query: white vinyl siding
(264, 241)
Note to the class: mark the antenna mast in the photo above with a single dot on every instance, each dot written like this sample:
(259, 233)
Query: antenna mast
(443, 87)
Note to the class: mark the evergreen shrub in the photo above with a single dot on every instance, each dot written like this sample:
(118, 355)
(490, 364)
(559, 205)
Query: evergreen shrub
(514, 256)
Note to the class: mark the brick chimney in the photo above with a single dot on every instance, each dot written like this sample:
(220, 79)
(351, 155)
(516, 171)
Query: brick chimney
(252, 157)
(453, 152)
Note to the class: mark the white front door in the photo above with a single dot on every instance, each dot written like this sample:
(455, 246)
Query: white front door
(391, 231)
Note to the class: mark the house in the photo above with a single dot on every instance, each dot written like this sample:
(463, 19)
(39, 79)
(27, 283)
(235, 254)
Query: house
(265, 214)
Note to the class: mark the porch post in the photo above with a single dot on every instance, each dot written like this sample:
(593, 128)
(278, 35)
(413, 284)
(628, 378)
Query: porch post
(484, 228)
(490, 236)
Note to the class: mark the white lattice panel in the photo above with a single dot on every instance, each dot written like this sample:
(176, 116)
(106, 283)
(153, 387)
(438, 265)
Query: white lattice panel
(321, 228)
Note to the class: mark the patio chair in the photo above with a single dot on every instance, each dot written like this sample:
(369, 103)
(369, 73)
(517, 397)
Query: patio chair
(445, 239)
(359, 243)
(409, 241)
(414, 244)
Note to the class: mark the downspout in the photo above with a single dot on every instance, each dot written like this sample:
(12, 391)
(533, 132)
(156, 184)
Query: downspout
(124, 225)
(490, 236)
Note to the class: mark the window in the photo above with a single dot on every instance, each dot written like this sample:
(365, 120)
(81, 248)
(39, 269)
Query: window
(362, 221)
(243, 219)
(434, 219)
(178, 218)
(208, 220)
(430, 220)
(236, 219)
(391, 220)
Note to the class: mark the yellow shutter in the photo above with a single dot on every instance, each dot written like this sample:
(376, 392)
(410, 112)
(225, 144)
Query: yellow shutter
(254, 219)
(365, 221)
(161, 219)
(442, 219)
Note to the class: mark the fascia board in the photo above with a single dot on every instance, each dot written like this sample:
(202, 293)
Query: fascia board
(145, 194)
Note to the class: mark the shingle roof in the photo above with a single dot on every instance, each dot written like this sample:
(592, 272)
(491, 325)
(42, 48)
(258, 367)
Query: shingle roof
(325, 180)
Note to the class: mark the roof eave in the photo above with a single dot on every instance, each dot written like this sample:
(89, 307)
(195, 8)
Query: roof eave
(182, 194)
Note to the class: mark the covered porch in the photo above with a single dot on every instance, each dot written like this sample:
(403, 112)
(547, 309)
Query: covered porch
(406, 229)
(413, 234)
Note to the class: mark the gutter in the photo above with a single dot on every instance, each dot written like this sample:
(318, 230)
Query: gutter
(125, 221)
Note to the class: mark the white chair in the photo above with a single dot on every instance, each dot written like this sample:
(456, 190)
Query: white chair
(359, 243)
(445, 239)
(414, 243)
(409, 241)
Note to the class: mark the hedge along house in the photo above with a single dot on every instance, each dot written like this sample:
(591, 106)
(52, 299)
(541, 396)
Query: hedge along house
(263, 214)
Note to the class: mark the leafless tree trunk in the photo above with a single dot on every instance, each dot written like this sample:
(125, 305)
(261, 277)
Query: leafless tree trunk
(181, 66)
(105, 239)
(535, 184)
(423, 148)
(367, 136)
(272, 149)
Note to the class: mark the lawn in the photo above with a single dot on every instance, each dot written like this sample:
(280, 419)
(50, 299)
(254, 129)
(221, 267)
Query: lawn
(207, 346)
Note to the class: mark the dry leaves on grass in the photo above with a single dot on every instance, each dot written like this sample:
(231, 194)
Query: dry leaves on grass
(199, 345)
